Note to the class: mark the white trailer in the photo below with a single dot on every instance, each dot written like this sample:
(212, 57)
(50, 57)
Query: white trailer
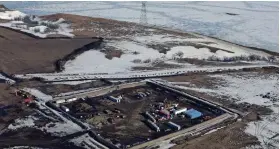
(180, 111)
(60, 101)
(154, 126)
(149, 116)
(65, 109)
(114, 99)
(174, 126)
(71, 99)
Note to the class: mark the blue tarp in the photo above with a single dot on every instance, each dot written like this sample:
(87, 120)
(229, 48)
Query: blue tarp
(192, 113)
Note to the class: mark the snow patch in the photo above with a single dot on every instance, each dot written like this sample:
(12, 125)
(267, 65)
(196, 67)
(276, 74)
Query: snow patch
(38, 94)
(10, 15)
(72, 82)
(7, 79)
(87, 142)
(95, 61)
(61, 129)
(40, 28)
(190, 52)
(22, 122)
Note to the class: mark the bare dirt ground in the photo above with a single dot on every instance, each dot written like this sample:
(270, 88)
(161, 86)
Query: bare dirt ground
(6, 94)
(84, 26)
(11, 106)
(203, 79)
(232, 136)
(54, 89)
(87, 26)
(35, 138)
(20, 53)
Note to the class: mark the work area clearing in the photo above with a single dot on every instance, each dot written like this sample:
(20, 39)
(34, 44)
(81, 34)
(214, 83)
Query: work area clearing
(144, 112)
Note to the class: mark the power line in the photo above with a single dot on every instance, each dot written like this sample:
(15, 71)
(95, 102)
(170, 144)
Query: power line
(143, 17)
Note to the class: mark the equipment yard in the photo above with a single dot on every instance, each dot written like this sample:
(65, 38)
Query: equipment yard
(132, 116)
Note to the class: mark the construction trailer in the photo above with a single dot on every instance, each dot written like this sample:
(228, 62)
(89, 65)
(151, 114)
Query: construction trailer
(60, 101)
(174, 126)
(153, 126)
(71, 99)
(114, 99)
(182, 110)
(150, 117)
(192, 113)
(64, 108)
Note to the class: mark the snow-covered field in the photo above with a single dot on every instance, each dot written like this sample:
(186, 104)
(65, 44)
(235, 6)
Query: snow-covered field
(95, 61)
(255, 23)
(141, 51)
(23, 122)
(248, 89)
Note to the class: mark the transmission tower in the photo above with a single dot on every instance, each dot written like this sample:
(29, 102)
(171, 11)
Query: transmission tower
(143, 18)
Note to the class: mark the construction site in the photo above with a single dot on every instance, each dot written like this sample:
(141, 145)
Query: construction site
(116, 84)
(131, 116)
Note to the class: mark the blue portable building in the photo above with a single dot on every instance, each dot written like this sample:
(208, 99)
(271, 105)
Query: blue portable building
(192, 113)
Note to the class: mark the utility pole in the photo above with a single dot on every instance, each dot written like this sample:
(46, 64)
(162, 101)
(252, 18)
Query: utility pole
(143, 18)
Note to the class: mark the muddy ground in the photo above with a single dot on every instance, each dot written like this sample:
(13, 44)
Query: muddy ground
(230, 137)
(21, 53)
(11, 106)
(35, 138)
